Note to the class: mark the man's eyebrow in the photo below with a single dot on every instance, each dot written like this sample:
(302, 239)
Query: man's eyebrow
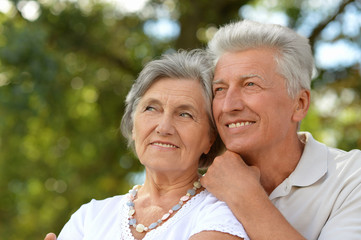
(242, 77)
(218, 81)
(252, 75)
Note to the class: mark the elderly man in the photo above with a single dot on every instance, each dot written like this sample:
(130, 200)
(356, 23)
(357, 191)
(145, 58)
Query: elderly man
(279, 183)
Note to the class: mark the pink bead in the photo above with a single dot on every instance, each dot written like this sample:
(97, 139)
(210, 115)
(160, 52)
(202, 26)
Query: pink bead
(184, 198)
(165, 216)
(140, 227)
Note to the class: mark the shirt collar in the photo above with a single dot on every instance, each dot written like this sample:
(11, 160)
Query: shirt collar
(313, 163)
(311, 167)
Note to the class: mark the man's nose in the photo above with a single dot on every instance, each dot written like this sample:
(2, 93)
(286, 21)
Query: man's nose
(233, 100)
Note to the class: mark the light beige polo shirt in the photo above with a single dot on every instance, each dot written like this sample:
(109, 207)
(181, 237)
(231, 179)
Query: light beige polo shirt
(322, 197)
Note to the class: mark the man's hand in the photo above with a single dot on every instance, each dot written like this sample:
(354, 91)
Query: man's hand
(231, 180)
(50, 236)
(229, 174)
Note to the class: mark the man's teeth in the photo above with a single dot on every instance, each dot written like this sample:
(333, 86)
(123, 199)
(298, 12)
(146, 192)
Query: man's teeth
(236, 125)
(164, 145)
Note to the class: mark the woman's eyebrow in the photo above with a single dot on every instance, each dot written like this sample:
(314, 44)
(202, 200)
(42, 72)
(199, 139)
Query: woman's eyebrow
(187, 107)
(151, 101)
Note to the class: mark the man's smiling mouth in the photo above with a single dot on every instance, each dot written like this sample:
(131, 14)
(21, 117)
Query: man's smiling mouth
(239, 124)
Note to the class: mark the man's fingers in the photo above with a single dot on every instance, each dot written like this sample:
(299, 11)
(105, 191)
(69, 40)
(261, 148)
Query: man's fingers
(202, 180)
(234, 155)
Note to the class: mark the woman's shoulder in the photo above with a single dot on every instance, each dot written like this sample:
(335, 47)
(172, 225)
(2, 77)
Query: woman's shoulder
(94, 217)
(211, 206)
(104, 206)
(208, 199)
(213, 214)
(107, 203)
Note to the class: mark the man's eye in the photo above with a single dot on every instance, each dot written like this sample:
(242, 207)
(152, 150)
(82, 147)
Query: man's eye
(218, 89)
(250, 84)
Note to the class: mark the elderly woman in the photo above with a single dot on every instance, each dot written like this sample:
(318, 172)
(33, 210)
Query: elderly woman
(169, 124)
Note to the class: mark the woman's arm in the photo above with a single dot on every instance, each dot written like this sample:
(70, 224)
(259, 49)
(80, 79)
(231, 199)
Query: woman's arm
(50, 236)
(213, 235)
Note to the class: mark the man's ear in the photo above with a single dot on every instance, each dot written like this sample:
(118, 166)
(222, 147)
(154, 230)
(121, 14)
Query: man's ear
(302, 104)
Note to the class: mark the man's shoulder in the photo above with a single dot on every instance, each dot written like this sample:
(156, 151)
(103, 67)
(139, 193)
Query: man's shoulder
(345, 162)
(333, 154)
(336, 162)
(345, 157)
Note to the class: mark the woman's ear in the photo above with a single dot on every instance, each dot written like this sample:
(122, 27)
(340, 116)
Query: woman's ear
(302, 104)
(212, 139)
(133, 134)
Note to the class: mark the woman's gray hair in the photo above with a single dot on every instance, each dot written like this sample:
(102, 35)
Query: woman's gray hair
(193, 65)
(295, 60)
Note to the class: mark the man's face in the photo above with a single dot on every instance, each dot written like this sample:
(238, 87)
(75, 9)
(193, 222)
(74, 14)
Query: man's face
(251, 106)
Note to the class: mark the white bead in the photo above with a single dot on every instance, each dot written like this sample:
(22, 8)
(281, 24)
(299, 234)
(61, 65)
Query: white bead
(131, 212)
(140, 228)
(197, 184)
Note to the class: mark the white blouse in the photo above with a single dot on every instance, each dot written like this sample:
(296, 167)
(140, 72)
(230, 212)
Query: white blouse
(108, 219)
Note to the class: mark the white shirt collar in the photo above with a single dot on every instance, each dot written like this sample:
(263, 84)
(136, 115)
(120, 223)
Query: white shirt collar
(311, 167)
(313, 163)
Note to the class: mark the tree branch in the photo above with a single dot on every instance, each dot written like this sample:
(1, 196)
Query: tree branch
(317, 30)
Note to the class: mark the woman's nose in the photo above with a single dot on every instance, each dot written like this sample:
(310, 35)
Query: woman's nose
(165, 125)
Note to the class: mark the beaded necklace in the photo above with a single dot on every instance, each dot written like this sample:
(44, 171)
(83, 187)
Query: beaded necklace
(140, 227)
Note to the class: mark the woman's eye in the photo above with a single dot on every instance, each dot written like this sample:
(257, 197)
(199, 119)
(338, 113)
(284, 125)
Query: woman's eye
(149, 108)
(188, 115)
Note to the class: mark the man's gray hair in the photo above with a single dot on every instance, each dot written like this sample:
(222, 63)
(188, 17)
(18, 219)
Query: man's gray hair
(295, 60)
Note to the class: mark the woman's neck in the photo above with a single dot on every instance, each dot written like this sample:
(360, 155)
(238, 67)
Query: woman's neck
(157, 185)
(159, 194)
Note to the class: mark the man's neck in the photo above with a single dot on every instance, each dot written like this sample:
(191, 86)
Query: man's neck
(277, 164)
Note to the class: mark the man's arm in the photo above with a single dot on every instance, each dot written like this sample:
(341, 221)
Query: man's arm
(345, 222)
(237, 184)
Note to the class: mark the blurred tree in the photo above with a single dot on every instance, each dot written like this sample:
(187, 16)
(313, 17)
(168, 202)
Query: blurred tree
(64, 75)
(196, 17)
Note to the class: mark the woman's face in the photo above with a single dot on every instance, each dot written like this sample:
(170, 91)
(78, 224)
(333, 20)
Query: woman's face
(171, 127)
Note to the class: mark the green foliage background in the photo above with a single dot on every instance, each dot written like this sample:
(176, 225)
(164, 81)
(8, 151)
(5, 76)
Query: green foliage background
(63, 80)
